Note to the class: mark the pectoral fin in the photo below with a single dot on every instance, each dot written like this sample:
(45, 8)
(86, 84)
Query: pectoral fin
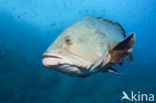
(123, 49)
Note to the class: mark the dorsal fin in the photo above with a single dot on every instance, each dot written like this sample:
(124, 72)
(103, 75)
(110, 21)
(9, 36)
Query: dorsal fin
(122, 49)
(123, 33)
(106, 20)
(121, 29)
(115, 24)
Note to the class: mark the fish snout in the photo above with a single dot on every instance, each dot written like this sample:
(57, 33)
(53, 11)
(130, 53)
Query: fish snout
(60, 60)
(49, 60)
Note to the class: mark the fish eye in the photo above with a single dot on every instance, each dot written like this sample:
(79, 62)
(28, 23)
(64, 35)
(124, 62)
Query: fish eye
(68, 41)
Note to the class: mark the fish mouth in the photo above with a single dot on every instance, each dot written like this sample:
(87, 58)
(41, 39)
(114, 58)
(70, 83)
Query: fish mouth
(57, 59)
(49, 60)
(50, 56)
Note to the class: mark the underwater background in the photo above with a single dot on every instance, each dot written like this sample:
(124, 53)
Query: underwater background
(28, 27)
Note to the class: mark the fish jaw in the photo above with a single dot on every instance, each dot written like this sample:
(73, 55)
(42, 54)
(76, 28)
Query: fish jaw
(66, 63)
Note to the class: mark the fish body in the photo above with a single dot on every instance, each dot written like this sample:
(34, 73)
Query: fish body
(91, 45)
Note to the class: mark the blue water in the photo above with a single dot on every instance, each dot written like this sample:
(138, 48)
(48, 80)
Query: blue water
(27, 28)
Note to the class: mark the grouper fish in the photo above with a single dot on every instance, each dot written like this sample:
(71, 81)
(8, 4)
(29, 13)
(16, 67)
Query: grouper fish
(89, 46)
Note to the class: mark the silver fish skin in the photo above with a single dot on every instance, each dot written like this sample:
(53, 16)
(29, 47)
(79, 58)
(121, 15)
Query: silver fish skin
(91, 45)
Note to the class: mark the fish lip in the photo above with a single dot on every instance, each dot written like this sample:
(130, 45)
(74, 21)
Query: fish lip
(61, 56)
(50, 56)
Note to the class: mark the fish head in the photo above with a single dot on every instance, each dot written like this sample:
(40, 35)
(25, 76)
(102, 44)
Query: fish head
(75, 51)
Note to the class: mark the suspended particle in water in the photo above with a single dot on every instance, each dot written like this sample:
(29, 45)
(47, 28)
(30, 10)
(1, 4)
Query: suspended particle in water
(93, 10)
(144, 8)
(68, 5)
(86, 11)
(103, 10)
(154, 11)
(21, 14)
(18, 16)
(79, 11)
(13, 9)
(1, 53)
(148, 59)
(53, 24)
(33, 43)
(6, 1)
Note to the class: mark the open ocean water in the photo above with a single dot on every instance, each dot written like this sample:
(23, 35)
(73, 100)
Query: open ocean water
(27, 28)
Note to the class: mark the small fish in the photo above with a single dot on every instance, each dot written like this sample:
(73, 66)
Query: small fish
(91, 45)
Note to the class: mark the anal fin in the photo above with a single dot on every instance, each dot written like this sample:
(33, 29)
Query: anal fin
(111, 69)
